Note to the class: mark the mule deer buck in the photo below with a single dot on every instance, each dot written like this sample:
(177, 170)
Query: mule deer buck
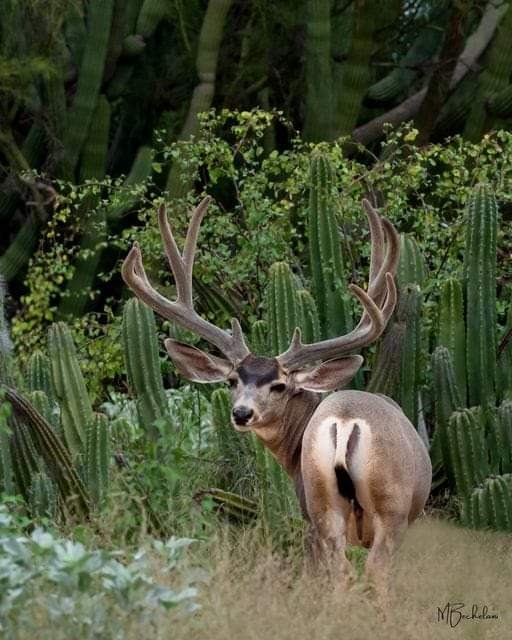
(360, 469)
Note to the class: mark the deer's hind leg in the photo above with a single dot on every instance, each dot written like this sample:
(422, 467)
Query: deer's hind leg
(328, 513)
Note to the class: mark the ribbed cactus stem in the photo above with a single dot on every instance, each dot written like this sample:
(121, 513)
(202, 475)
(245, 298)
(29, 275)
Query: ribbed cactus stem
(325, 258)
(228, 441)
(493, 79)
(39, 374)
(318, 103)
(97, 458)
(260, 338)
(5, 338)
(500, 105)
(43, 498)
(51, 449)
(309, 321)
(452, 330)
(356, 69)
(70, 389)
(490, 506)
(466, 441)
(93, 163)
(504, 437)
(90, 77)
(282, 307)
(140, 350)
(480, 284)
(49, 410)
(150, 16)
(447, 399)
(411, 268)
(409, 312)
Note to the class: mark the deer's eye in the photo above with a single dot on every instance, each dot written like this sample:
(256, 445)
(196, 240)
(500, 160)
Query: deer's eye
(278, 388)
(232, 382)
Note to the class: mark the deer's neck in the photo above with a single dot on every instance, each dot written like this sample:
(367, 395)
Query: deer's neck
(284, 437)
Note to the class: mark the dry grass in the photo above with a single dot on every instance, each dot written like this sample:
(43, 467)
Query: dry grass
(253, 595)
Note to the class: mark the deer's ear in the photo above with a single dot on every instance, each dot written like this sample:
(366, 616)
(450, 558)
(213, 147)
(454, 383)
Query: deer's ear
(329, 375)
(196, 365)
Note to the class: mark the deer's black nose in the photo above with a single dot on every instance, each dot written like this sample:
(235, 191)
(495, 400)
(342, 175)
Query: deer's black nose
(242, 414)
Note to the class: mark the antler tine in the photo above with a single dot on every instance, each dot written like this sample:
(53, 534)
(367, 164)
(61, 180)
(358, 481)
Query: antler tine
(378, 302)
(182, 310)
(377, 239)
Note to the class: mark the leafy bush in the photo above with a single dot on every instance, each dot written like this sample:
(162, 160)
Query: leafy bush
(51, 582)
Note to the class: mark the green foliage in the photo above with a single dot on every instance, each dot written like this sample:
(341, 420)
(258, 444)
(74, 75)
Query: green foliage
(58, 582)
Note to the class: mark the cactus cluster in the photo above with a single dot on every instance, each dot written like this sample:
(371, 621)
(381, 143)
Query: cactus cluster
(58, 456)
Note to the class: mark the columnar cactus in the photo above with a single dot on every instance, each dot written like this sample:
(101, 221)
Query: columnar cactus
(281, 307)
(397, 369)
(309, 321)
(503, 438)
(151, 14)
(260, 338)
(411, 268)
(140, 350)
(49, 410)
(43, 498)
(409, 312)
(89, 78)
(229, 443)
(493, 78)
(97, 458)
(94, 154)
(70, 390)
(466, 442)
(490, 506)
(318, 103)
(480, 284)
(39, 374)
(452, 330)
(447, 399)
(325, 258)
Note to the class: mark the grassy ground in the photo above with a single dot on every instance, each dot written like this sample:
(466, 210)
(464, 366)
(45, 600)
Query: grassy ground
(256, 597)
(248, 593)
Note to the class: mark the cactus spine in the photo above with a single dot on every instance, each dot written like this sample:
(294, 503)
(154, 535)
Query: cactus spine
(282, 307)
(325, 259)
(70, 389)
(452, 330)
(142, 364)
(490, 505)
(480, 283)
(97, 458)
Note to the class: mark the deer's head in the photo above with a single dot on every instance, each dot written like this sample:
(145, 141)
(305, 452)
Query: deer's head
(261, 386)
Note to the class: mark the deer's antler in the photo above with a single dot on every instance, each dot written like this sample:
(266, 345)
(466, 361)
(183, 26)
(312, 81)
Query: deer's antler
(378, 301)
(182, 311)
